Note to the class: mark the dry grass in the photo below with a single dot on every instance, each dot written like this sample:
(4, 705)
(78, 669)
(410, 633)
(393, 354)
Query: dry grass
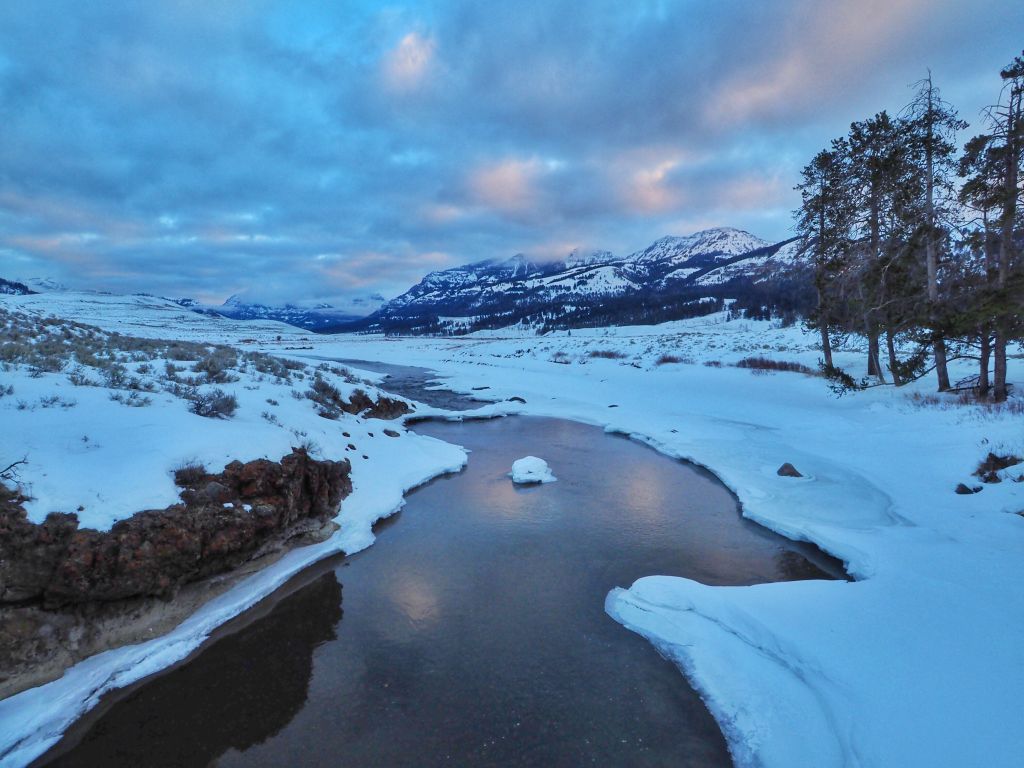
(767, 364)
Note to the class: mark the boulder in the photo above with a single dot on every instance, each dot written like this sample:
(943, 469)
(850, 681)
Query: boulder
(788, 470)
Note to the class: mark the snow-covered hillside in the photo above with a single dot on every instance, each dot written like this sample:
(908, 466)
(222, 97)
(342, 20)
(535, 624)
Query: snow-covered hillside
(678, 271)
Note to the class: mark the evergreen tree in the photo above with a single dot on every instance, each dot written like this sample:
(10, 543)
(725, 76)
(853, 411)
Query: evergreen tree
(933, 125)
(884, 182)
(823, 221)
(1007, 123)
(981, 168)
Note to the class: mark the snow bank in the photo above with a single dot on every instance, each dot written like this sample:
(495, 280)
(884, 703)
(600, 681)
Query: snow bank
(918, 663)
(530, 469)
(89, 453)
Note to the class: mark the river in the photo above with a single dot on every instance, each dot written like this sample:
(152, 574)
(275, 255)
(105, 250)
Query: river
(472, 632)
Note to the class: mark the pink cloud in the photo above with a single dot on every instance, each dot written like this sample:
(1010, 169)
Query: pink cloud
(822, 49)
(407, 65)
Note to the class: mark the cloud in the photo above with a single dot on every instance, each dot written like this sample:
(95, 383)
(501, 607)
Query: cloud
(207, 148)
(509, 186)
(408, 64)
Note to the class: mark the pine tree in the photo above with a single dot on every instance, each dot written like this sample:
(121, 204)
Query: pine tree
(884, 180)
(1007, 122)
(823, 221)
(981, 168)
(933, 125)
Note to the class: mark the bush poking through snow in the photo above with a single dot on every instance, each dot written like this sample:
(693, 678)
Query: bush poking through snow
(215, 404)
(189, 474)
(767, 364)
(989, 469)
(670, 359)
(606, 354)
(530, 469)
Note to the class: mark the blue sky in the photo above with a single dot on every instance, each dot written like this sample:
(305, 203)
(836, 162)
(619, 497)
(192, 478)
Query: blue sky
(325, 150)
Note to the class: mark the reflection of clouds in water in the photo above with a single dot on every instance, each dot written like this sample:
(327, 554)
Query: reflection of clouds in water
(414, 596)
(646, 495)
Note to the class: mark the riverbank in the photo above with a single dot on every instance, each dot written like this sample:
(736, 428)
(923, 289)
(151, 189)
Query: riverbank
(917, 663)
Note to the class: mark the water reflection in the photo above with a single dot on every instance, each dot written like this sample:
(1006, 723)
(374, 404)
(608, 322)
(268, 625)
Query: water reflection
(241, 690)
(474, 629)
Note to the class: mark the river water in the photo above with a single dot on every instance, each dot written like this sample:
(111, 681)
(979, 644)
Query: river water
(472, 632)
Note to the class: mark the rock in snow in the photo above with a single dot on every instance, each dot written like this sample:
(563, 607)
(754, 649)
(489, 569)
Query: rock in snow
(530, 469)
(788, 470)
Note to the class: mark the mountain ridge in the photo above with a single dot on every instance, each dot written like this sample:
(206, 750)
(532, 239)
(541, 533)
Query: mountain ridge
(675, 276)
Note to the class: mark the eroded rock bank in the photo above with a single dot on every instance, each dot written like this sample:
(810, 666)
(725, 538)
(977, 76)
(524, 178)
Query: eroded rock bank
(223, 520)
(67, 592)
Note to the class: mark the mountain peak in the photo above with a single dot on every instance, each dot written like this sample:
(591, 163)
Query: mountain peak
(578, 258)
(727, 241)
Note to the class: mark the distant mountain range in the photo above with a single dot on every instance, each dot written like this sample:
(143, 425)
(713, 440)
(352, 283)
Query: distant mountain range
(672, 278)
(313, 318)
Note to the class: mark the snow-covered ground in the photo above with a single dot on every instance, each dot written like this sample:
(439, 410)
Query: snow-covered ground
(919, 662)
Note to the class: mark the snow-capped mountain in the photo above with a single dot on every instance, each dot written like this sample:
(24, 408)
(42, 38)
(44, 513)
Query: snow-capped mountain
(314, 317)
(672, 277)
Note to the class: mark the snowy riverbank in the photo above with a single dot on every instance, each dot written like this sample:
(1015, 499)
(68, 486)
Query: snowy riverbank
(918, 662)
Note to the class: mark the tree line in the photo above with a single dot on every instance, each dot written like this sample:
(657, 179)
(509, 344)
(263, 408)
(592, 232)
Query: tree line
(916, 242)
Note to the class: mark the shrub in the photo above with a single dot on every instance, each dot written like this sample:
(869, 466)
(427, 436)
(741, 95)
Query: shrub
(669, 359)
(56, 401)
(215, 404)
(189, 473)
(767, 364)
(606, 354)
(133, 399)
(216, 366)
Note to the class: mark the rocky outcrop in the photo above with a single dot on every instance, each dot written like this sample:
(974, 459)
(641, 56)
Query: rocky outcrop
(788, 470)
(383, 408)
(224, 520)
(332, 404)
(989, 469)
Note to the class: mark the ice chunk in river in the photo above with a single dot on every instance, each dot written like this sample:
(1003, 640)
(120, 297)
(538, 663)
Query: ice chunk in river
(530, 469)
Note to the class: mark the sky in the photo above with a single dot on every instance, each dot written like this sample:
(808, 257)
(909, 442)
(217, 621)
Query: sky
(327, 151)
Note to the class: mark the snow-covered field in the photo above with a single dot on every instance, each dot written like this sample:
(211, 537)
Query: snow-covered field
(919, 662)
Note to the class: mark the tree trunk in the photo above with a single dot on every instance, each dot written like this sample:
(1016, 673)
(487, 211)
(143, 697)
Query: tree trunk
(986, 355)
(874, 355)
(890, 343)
(931, 252)
(826, 343)
(999, 369)
(870, 326)
(1009, 215)
(939, 352)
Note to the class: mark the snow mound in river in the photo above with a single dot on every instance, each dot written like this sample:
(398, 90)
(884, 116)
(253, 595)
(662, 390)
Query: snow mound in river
(530, 469)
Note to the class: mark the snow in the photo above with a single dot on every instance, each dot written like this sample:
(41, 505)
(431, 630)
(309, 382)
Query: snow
(918, 662)
(530, 469)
